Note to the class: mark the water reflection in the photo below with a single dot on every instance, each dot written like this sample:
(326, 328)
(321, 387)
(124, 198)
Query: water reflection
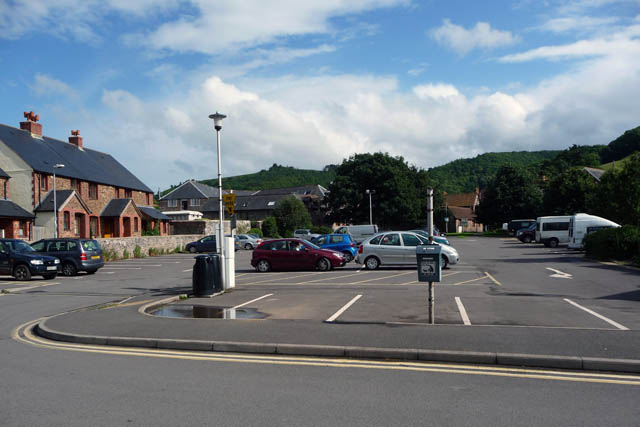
(188, 311)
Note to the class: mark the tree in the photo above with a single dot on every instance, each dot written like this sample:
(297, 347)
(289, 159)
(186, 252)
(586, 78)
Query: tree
(399, 191)
(569, 193)
(290, 213)
(270, 227)
(511, 194)
(618, 193)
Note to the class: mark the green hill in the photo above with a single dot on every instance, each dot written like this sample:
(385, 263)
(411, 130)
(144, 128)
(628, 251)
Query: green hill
(277, 176)
(618, 163)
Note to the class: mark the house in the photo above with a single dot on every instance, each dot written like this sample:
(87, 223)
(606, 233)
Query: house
(188, 196)
(595, 173)
(15, 222)
(463, 207)
(86, 181)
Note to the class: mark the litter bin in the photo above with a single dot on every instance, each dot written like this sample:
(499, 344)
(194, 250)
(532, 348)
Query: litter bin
(207, 277)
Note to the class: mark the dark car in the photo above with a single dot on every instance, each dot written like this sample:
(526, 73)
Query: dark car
(527, 235)
(294, 254)
(337, 242)
(518, 224)
(74, 254)
(208, 244)
(18, 259)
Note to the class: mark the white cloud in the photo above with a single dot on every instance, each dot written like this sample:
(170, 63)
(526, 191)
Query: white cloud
(463, 41)
(582, 24)
(435, 91)
(45, 85)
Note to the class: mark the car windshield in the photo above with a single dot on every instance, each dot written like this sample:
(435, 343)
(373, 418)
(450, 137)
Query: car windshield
(22, 248)
(311, 245)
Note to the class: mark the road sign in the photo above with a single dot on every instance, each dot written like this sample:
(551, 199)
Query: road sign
(229, 203)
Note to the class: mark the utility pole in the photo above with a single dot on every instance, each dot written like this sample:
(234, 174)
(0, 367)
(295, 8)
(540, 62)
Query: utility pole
(430, 227)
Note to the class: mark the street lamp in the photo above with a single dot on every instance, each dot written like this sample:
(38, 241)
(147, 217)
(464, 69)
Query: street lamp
(217, 123)
(55, 206)
(370, 192)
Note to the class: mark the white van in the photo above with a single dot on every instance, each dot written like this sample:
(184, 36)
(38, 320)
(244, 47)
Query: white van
(552, 230)
(582, 224)
(359, 233)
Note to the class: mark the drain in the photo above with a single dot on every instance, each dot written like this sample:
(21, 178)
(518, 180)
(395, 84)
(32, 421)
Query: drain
(187, 311)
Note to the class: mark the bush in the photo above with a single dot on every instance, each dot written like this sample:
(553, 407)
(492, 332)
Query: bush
(270, 227)
(109, 255)
(137, 252)
(125, 254)
(621, 243)
(255, 224)
(321, 229)
(256, 231)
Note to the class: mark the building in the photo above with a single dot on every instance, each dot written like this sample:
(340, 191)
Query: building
(463, 207)
(86, 183)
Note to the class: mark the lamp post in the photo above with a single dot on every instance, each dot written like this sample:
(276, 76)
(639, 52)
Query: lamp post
(55, 205)
(217, 123)
(370, 192)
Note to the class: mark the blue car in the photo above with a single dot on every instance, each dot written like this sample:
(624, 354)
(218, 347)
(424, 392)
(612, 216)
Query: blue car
(337, 242)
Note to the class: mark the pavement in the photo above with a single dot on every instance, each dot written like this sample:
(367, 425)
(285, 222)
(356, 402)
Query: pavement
(129, 324)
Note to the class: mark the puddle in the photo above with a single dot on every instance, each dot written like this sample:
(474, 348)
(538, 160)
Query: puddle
(187, 311)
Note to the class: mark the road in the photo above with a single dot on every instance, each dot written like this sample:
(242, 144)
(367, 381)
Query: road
(42, 385)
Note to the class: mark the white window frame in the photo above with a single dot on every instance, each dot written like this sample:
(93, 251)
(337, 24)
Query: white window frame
(172, 203)
(194, 202)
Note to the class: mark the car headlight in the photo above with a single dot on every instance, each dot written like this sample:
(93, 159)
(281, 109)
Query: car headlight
(36, 262)
(57, 261)
(337, 255)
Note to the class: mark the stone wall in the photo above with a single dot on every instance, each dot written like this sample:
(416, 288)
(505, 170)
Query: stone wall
(168, 243)
(206, 227)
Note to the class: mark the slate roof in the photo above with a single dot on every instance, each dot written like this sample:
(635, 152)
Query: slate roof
(317, 190)
(62, 196)
(595, 173)
(85, 164)
(3, 174)
(9, 209)
(249, 203)
(115, 207)
(192, 190)
(153, 212)
(462, 200)
(462, 213)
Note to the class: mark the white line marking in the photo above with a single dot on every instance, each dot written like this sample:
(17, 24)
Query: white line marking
(25, 288)
(343, 309)
(492, 278)
(134, 264)
(122, 268)
(253, 300)
(559, 274)
(463, 312)
(184, 271)
(599, 316)
(380, 278)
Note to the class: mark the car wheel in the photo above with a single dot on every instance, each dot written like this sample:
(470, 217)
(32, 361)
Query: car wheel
(263, 266)
(553, 243)
(22, 273)
(526, 239)
(248, 246)
(445, 262)
(323, 264)
(49, 276)
(347, 256)
(371, 263)
(69, 269)
(192, 249)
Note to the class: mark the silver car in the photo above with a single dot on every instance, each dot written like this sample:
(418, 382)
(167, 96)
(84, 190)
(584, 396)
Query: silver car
(248, 241)
(398, 248)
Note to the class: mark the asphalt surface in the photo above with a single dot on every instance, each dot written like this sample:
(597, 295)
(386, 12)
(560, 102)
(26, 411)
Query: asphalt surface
(524, 305)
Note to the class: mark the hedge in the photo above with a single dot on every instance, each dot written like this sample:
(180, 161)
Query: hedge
(621, 243)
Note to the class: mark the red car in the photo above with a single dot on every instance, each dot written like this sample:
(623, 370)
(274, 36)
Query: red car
(294, 254)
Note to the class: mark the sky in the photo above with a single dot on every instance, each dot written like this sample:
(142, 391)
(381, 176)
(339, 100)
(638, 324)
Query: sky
(310, 83)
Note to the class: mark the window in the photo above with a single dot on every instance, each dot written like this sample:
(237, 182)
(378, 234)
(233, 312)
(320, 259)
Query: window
(93, 191)
(321, 240)
(135, 225)
(148, 199)
(271, 203)
(76, 184)
(71, 245)
(127, 194)
(38, 246)
(337, 239)
(555, 226)
(44, 182)
(410, 240)
(375, 240)
(67, 221)
(391, 240)
(172, 203)
(194, 202)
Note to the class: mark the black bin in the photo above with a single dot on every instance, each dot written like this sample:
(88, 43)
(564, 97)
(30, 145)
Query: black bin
(207, 277)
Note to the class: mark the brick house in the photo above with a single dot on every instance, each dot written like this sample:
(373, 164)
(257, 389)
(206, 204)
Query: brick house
(85, 185)
(15, 222)
(463, 206)
(189, 196)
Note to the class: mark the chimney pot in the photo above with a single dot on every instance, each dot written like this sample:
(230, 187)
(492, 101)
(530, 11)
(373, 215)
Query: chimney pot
(30, 125)
(75, 138)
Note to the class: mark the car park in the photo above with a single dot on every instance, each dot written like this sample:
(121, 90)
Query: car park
(527, 235)
(74, 254)
(18, 259)
(398, 248)
(248, 241)
(294, 254)
(337, 242)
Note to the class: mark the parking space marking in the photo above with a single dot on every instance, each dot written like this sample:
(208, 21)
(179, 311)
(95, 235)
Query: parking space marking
(190, 269)
(332, 277)
(26, 288)
(343, 309)
(253, 300)
(122, 268)
(273, 280)
(463, 311)
(381, 278)
(135, 264)
(469, 281)
(599, 316)
(493, 279)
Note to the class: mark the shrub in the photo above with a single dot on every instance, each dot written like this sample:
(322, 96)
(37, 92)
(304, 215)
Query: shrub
(125, 254)
(137, 252)
(270, 227)
(109, 255)
(321, 229)
(256, 231)
(178, 249)
(255, 224)
(621, 243)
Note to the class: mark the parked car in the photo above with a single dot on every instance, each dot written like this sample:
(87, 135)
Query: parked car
(582, 224)
(518, 224)
(18, 259)
(337, 242)
(305, 234)
(552, 230)
(527, 235)
(398, 248)
(294, 254)
(248, 241)
(74, 254)
(358, 233)
(436, 238)
(208, 244)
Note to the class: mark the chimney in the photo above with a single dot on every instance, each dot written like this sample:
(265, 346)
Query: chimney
(30, 125)
(75, 138)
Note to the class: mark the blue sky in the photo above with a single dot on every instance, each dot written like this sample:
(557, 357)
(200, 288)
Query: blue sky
(310, 83)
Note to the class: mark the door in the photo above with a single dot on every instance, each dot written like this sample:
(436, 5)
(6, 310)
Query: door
(300, 257)
(391, 250)
(126, 226)
(409, 244)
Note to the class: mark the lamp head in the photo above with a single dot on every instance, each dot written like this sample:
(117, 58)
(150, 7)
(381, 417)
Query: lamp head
(217, 120)
(58, 166)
